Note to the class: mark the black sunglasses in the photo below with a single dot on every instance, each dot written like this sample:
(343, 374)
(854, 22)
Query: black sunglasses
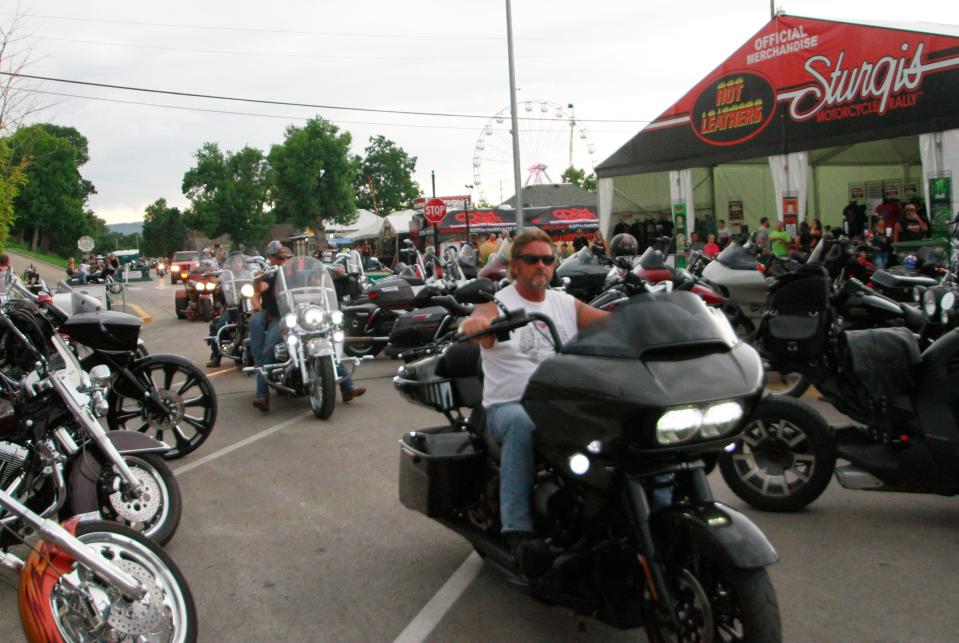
(530, 260)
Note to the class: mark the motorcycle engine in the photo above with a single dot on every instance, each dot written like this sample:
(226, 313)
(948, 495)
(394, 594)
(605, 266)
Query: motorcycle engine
(12, 457)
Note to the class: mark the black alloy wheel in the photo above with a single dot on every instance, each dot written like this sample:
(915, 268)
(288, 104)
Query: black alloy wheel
(784, 459)
(322, 387)
(187, 397)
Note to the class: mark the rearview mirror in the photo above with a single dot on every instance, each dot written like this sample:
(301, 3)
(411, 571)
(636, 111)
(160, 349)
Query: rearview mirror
(476, 291)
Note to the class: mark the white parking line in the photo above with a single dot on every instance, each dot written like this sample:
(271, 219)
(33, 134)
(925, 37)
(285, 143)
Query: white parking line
(225, 370)
(239, 445)
(434, 611)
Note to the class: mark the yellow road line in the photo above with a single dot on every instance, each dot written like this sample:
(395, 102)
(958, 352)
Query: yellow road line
(142, 314)
(225, 370)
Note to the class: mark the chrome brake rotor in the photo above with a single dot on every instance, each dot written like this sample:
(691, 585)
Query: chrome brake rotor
(148, 615)
(142, 508)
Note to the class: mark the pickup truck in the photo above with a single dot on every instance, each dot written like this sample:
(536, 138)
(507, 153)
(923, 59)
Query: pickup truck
(183, 262)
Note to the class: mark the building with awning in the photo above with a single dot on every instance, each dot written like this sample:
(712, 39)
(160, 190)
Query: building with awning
(807, 115)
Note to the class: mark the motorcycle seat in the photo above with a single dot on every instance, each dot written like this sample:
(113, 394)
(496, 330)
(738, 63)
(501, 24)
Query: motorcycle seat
(888, 279)
(414, 281)
(477, 425)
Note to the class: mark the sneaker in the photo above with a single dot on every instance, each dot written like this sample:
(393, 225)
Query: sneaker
(262, 403)
(356, 391)
(213, 363)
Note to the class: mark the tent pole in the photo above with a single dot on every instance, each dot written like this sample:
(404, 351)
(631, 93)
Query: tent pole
(517, 183)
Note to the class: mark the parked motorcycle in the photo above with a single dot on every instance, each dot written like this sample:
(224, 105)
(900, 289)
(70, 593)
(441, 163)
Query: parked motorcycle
(57, 459)
(617, 425)
(903, 401)
(310, 326)
(157, 393)
(88, 580)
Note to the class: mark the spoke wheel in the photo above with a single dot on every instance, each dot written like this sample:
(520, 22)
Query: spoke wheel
(188, 399)
(97, 611)
(784, 459)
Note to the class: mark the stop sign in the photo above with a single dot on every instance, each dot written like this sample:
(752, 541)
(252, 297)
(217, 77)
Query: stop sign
(434, 210)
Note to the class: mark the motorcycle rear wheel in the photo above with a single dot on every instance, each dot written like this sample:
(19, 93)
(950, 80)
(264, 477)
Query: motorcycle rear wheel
(784, 459)
(322, 387)
(183, 387)
(51, 610)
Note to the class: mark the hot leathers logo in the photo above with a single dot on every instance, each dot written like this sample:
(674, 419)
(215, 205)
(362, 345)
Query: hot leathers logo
(733, 108)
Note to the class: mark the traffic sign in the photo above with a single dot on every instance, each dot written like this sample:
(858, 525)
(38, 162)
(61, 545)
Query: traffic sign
(85, 243)
(434, 210)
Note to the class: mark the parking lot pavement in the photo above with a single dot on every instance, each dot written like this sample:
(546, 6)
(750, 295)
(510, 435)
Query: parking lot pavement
(292, 530)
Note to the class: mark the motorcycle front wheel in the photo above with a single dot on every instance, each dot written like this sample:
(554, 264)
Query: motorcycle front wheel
(188, 398)
(155, 512)
(86, 609)
(322, 387)
(718, 603)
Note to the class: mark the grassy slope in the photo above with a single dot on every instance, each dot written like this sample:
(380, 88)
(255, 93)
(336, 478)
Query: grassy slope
(48, 258)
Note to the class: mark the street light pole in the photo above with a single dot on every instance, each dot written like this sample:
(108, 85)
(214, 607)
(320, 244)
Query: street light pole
(513, 120)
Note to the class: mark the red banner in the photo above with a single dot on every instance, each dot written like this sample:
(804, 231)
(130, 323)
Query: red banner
(822, 83)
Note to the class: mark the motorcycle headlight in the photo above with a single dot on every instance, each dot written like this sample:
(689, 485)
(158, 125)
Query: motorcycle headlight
(289, 321)
(210, 285)
(336, 317)
(720, 418)
(160, 266)
(948, 301)
(678, 425)
(312, 317)
(339, 336)
(929, 303)
(247, 290)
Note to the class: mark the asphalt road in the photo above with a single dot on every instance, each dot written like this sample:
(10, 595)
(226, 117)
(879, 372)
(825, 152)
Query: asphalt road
(296, 534)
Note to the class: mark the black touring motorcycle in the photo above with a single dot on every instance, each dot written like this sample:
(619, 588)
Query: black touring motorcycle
(620, 422)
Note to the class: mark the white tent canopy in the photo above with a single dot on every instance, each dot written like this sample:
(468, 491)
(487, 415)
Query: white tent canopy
(364, 219)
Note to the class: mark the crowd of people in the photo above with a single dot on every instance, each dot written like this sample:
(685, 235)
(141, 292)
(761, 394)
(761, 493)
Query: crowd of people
(91, 267)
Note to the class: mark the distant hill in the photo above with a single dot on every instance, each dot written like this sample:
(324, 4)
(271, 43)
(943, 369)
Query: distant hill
(126, 228)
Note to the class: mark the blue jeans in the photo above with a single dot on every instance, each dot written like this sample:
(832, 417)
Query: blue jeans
(215, 327)
(264, 335)
(511, 427)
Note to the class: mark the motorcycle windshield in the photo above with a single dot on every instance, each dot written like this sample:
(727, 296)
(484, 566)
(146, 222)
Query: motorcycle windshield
(354, 263)
(231, 284)
(665, 322)
(304, 281)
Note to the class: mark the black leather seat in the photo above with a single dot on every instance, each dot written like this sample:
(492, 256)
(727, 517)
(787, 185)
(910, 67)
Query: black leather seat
(896, 279)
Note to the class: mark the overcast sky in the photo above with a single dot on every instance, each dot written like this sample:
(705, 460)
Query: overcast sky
(613, 60)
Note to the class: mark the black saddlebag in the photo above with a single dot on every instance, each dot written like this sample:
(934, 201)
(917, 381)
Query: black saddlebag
(440, 471)
(391, 292)
(795, 330)
(879, 367)
(417, 327)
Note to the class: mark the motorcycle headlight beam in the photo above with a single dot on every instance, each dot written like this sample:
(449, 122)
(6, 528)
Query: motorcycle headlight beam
(339, 336)
(336, 317)
(678, 425)
(720, 418)
(312, 317)
(247, 290)
(289, 321)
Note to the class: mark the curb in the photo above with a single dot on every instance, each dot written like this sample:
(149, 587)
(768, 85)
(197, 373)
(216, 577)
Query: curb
(142, 314)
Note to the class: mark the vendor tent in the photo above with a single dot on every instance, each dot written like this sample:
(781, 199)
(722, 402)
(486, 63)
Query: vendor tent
(805, 116)
(567, 219)
(371, 231)
(364, 220)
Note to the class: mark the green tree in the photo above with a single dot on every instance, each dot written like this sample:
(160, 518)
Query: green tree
(11, 179)
(50, 205)
(384, 177)
(579, 177)
(228, 193)
(312, 175)
(163, 230)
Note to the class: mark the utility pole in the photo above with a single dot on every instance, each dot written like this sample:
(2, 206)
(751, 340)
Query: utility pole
(513, 120)
(433, 176)
(772, 9)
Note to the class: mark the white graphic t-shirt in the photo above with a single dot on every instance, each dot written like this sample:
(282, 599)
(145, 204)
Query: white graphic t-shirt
(509, 365)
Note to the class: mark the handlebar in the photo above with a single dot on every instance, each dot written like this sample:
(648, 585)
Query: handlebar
(452, 306)
(503, 325)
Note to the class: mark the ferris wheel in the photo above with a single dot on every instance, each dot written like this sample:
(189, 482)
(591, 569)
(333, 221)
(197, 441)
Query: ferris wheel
(551, 139)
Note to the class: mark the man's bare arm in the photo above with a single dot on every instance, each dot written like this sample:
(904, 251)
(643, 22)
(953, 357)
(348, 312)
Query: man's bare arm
(586, 314)
(479, 321)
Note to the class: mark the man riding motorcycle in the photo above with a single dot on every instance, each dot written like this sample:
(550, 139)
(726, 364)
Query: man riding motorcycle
(234, 263)
(507, 366)
(265, 330)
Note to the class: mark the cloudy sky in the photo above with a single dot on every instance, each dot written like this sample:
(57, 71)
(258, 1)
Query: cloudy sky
(619, 62)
